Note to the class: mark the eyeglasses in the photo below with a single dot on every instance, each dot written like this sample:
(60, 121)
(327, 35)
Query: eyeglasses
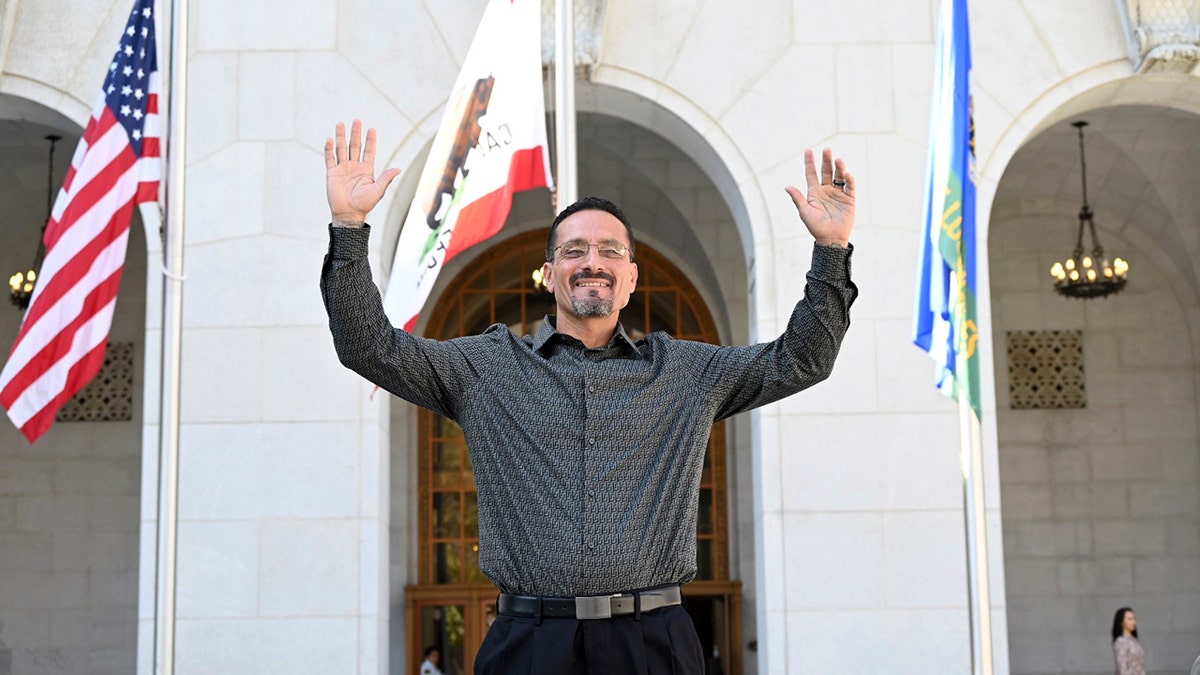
(574, 250)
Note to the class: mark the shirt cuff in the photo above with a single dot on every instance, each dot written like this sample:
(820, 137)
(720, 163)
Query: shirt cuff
(831, 262)
(349, 243)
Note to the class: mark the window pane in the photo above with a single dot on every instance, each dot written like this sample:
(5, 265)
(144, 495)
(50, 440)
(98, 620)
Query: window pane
(704, 524)
(471, 516)
(447, 563)
(474, 575)
(704, 559)
(442, 626)
(447, 522)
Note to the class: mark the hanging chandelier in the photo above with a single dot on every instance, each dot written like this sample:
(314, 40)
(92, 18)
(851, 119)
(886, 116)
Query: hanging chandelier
(23, 283)
(1085, 275)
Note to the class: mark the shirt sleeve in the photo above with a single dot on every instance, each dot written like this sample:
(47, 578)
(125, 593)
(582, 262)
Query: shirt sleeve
(429, 373)
(743, 378)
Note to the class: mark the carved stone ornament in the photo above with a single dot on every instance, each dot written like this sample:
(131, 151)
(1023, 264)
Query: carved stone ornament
(1045, 369)
(1164, 35)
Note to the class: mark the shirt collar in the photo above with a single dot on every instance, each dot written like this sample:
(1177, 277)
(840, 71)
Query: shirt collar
(549, 330)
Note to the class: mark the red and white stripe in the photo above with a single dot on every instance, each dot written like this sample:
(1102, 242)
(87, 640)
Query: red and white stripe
(62, 340)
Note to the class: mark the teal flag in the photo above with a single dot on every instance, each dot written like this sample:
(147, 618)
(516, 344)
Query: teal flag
(946, 323)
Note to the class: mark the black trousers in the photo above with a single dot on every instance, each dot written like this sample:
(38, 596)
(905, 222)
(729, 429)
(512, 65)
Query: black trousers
(662, 642)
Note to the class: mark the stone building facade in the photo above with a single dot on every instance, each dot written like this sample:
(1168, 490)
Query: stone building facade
(310, 506)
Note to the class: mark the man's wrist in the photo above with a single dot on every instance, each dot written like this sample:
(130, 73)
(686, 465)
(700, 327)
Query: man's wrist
(835, 243)
(353, 224)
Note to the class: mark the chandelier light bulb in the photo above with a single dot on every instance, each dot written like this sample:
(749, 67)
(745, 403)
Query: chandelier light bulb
(1087, 261)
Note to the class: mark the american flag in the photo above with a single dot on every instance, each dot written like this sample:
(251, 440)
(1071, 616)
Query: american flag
(60, 346)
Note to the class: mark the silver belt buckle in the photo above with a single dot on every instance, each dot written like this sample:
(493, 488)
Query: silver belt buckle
(593, 607)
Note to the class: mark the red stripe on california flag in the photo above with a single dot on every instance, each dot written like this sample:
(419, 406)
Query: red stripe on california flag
(484, 217)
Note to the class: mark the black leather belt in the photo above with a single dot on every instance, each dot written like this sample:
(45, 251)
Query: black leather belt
(591, 606)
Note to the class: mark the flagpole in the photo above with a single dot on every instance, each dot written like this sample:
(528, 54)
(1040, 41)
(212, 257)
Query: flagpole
(564, 103)
(979, 596)
(172, 343)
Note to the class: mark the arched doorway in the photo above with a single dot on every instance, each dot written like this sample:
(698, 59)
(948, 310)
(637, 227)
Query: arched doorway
(69, 505)
(453, 604)
(1098, 483)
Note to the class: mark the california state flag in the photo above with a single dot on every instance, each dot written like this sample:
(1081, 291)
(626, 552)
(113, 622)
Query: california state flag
(491, 143)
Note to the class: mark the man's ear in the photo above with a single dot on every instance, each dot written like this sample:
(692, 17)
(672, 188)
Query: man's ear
(634, 278)
(548, 276)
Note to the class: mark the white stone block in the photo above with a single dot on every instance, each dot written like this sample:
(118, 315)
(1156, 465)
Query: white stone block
(302, 359)
(218, 569)
(807, 110)
(1082, 577)
(222, 375)
(1071, 465)
(834, 463)
(25, 552)
(268, 471)
(87, 476)
(1157, 500)
(228, 25)
(95, 551)
(1028, 501)
(906, 382)
(865, 94)
(266, 95)
(52, 513)
(929, 641)
(921, 462)
(714, 78)
(264, 295)
(251, 646)
(1129, 537)
(837, 642)
(1032, 576)
(294, 202)
(309, 568)
(644, 37)
(843, 565)
(211, 128)
(48, 590)
(912, 77)
(925, 554)
(224, 202)
(26, 477)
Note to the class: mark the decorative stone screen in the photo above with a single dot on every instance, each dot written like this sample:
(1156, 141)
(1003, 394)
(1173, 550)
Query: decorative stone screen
(109, 396)
(1045, 369)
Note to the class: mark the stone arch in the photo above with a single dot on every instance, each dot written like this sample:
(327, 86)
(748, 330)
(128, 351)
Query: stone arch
(1099, 502)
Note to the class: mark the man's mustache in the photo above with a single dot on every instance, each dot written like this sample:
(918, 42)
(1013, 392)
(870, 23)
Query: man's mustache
(584, 274)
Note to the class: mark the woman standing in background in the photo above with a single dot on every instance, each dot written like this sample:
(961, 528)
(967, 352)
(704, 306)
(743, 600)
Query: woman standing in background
(1131, 659)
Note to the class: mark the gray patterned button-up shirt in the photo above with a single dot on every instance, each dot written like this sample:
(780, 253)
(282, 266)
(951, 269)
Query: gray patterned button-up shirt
(587, 461)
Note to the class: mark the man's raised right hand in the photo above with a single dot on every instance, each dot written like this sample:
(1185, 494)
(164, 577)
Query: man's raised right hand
(350, 182)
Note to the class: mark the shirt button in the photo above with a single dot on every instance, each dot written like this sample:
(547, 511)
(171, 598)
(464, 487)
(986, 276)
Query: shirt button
(591, 389)
(592, 545)
(591, 493)
(591, 441)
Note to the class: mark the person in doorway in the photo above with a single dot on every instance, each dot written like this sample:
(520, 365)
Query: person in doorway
(433, 656)
(587, 446)
(1131, 659)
